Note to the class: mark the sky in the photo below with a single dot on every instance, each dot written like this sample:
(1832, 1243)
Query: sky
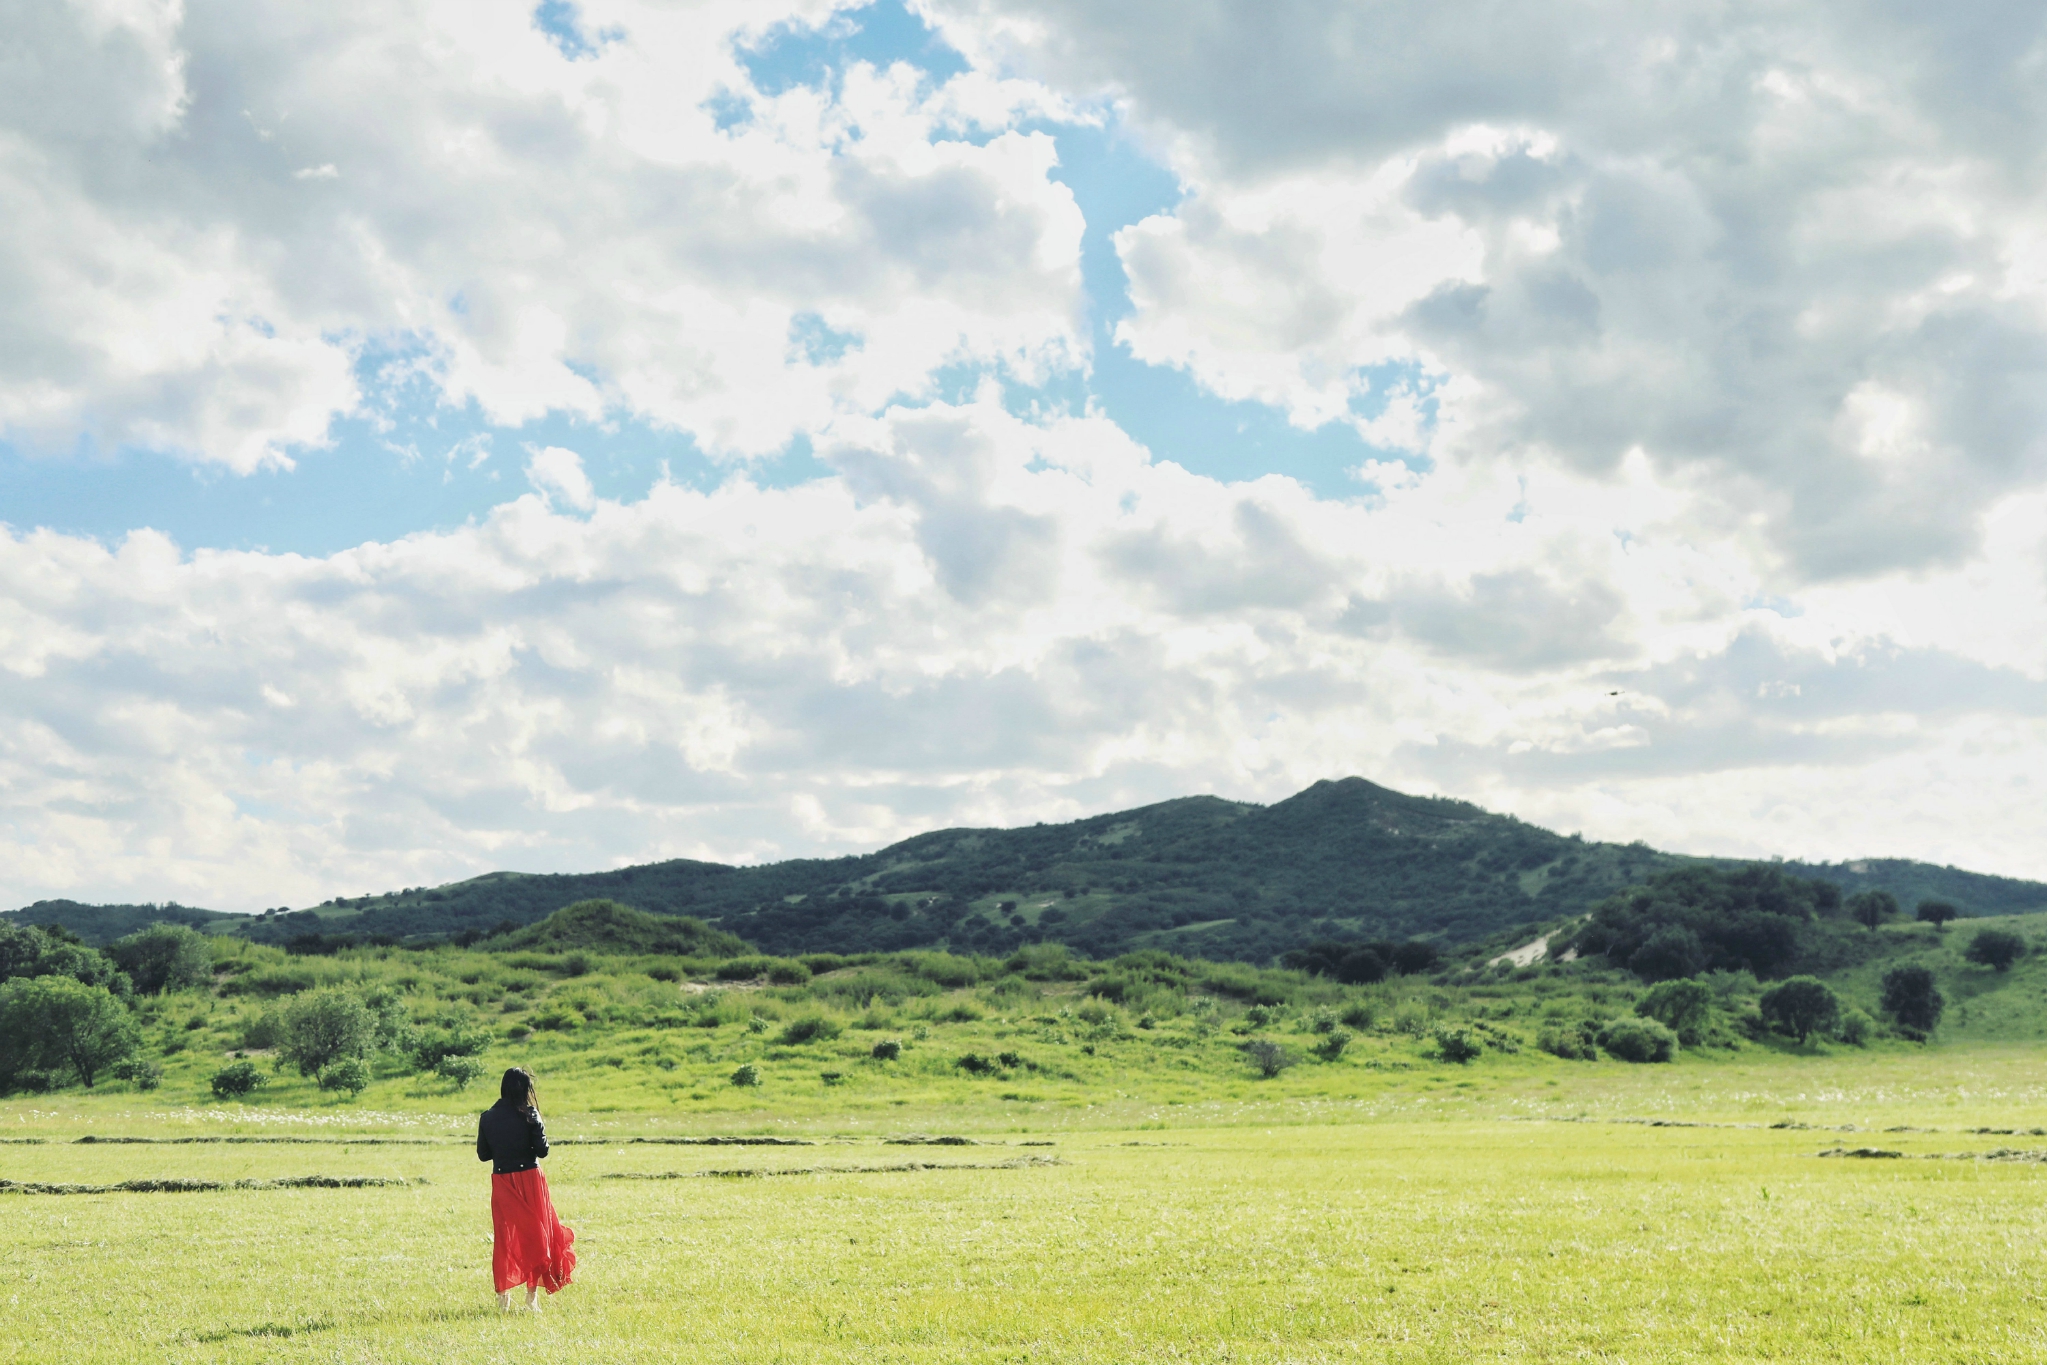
(442, 437)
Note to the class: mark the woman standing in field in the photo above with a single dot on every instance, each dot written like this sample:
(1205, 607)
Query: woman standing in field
(531, 1246)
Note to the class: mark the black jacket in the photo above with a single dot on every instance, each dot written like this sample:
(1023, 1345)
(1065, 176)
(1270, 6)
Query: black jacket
(511, 1139)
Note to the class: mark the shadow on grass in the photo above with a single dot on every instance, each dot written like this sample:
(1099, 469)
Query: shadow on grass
(267, 1329)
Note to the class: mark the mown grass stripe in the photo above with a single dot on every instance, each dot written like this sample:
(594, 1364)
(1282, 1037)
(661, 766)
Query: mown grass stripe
(757, 1172)
(292, 1182)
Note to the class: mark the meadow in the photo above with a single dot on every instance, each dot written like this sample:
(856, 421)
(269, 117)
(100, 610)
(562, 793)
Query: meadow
(943, 1158)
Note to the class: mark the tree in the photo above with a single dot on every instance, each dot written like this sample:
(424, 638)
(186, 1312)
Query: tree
(1871, 908)
(164, 957)
(1995, 948)
(51, 950)
(50, 1023)
(325, 1026)
(1269, 1057)
(1801, 1006)
(1684, 1007)
(1910, 997)
(1937, 914)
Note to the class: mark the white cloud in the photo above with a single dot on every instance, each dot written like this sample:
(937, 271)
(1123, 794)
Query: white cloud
(1789, 253)
(982, 620)
(212, 211)
(559, 472)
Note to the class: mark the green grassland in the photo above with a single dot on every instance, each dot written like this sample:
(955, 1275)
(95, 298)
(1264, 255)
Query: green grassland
(1121, 1185)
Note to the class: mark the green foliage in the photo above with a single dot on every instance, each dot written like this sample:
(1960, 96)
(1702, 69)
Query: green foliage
(1701, 919)
(1936, 913)
(1872, 908)
(143, 1075)
(1801, 1007)
(605, 925)
(350, 1075)
(57, 1024)
(1683, 1007)
(1638, 1040)
(322, 1027)
(1911, 998)
(460, 1070)
(1330, 1045)
(236, 1081)
(1856, 1028)
(1359, 1014)
(887, 1050)
(788, 973)
(1995, 948)
(974, 1064)
(1268, 1057)
(51, 950)
(1458, 1044)
(746, 1075)
(164, 957)
(455, 1037)
(1574, 1041)
(811, 1028)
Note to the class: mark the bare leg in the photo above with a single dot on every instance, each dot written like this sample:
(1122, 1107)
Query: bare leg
(505, 1302)
(533, 1298)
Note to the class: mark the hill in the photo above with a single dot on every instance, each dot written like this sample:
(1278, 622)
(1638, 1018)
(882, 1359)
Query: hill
(104, 923)
(1201, 876)
(608, 927)
(1344, 860)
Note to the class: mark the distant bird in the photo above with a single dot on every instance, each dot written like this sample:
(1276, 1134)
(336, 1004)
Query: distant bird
(1613, 694)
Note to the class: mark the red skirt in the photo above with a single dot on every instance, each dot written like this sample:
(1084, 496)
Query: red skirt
(529, 1244)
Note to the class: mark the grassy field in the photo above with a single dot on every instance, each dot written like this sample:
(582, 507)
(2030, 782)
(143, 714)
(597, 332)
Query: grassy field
(1501, 1213)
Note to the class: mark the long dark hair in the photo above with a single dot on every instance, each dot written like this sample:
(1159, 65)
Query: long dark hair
(517, 1089)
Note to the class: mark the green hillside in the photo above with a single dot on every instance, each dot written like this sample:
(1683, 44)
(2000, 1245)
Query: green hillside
(105, 923)
(1345, 860)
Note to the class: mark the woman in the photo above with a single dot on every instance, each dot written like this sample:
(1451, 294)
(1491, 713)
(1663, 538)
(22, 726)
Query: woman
(531, 1245)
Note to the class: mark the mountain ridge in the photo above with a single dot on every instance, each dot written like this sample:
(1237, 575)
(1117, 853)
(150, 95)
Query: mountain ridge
(1199, 875)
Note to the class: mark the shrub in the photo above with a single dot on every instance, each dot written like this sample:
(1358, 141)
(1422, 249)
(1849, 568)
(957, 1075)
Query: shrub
(812, 1028)
(746, 1075)
(1910, 997)
(757, 1023)
(1332, 1044)
(1801, 1006)
(326, 1026)
(887, 1050)
(1855, 1028)
(460, 1069)
(789, 974)
(1683, 1007)
(958, 1014)
(743, 968)
(1046, 962)
(1269, 1057)
(1458, 1044)
(351, 1074)
(1011, 1061)
(1359, 1014)
(1411, 1017)
(831, 1077)
(139, 1073)
(430, 1047)
(237, 1080)
(263, 1031)
(1995, 948)
(1638, 1040)
(1574, 1042)
(974, 1064)
(576, 964)
(820, 963)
